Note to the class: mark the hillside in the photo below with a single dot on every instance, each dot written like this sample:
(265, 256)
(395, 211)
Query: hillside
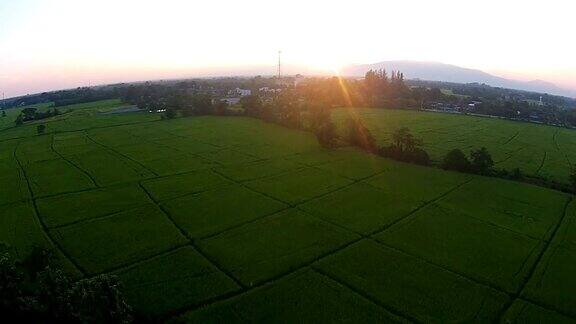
(451, 73)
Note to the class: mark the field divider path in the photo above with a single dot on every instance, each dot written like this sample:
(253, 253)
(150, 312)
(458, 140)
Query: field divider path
(95, 218)
(268, 282)
(510, 155)
(541, 163)
(94, 182)
(120, 154)
(39, 220)
(425, 204)
(308, 263)
(370, 238)
(131, 265)
(511, 138)
(547, 243)
(77, 130)
(555, 140)
(191, 240)
(366, 296)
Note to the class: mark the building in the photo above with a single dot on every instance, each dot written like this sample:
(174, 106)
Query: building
(242, 92)
(231, 101)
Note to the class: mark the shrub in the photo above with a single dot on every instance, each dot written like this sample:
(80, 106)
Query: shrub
(419, 156)
(360, 136)
(326, 135)
(405, 147)
(169, 114)
(252, 105)
(456, 160)
(40, 129)
(416, 155)
(482, 162)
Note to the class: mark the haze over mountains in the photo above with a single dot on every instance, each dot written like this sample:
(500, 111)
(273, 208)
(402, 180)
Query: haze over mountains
(434, 71)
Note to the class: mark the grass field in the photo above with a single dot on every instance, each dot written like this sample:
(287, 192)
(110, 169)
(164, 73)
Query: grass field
(538, 150)
(221, 219)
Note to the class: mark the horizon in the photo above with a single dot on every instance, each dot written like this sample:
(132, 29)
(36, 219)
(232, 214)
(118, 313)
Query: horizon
(51, 45)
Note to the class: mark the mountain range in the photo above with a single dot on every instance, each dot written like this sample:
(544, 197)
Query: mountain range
(434, 71)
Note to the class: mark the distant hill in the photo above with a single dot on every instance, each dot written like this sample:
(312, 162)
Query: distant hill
(451, 73)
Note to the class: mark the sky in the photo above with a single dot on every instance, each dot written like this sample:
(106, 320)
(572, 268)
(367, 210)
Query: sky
(55, 44)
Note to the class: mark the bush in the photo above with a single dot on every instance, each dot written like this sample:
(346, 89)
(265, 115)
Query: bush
(252, 105)
(326, 135)
(456, 160)
(40, 129)
(360, 136)
(169, 114)
(482, 162)
(405, 147)
(415, 155)
(419, 156)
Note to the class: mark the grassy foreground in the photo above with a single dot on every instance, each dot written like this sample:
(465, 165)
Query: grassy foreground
(538, 150)
(218, 219)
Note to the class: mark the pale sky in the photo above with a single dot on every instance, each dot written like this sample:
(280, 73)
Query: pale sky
(53, 44)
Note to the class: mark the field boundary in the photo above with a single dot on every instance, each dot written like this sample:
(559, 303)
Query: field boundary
(73, 164)
(532, 270)
(121, 154)
(40, 222)
(191, 240)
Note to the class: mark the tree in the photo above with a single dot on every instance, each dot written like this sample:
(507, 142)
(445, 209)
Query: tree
(456, 160)
(31, 293)
(201, 104)
(99, 300)
(321, 123)
(360, 136)
(252, 105)
(29, 113)
(40, 129)
(220, 108)
(482, 162)
(404, 140)
(3, 113)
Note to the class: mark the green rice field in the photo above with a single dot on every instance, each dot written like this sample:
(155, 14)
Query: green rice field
(231, 219)
(538, 150)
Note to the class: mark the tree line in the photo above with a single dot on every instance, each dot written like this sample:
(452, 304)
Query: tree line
(30, 114)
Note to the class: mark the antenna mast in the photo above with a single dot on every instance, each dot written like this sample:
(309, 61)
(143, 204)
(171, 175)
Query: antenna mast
(279, 65)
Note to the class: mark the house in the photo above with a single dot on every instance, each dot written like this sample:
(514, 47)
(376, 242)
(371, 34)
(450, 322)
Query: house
(242, 92)
(231, 101)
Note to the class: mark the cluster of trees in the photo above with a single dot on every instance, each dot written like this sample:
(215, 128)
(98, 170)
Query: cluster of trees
(66, 97)
(480, 161)
(291, 110)
(173, 100)
(37, 291)
(404, 147)
(508, 103)
(29, 114)
(377, 89)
